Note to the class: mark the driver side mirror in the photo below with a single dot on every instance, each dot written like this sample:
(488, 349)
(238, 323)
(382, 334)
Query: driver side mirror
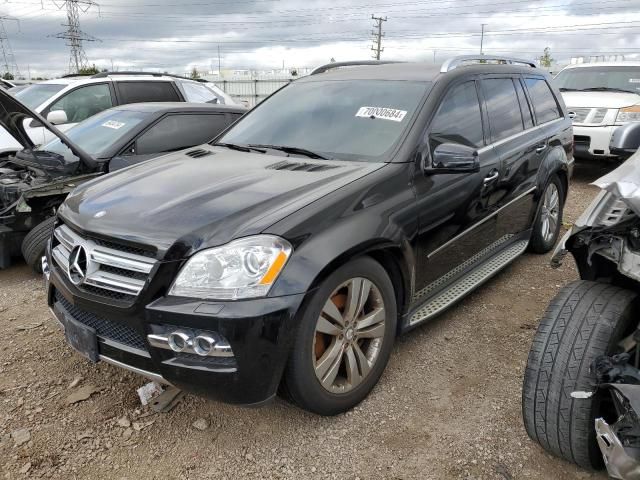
(454, 158)
(625, 140)
(57, 117)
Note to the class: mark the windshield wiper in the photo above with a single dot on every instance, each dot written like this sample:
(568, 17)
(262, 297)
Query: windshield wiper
(294, 151)
(240, 148)
(605, 89)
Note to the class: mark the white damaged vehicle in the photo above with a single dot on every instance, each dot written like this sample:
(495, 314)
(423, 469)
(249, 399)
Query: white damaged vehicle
(581, 392)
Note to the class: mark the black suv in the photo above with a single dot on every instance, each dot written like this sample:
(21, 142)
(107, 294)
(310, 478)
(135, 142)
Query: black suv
(352, 205)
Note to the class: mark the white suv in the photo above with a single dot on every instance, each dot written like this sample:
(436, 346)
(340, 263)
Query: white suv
(64, 102)
(599, 97)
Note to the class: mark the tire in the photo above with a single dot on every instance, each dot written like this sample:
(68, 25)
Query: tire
(541, 242)
(585, 320)
(35, 242)
(302, 378)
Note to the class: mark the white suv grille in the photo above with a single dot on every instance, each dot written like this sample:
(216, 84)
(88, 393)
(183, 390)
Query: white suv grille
(103, 270)
(593, 116)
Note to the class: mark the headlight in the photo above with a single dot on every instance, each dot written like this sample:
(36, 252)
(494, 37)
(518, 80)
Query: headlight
(629, 114)
(244, 268)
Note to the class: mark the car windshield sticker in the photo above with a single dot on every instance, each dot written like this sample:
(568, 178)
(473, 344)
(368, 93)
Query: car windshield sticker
(113, 124)
(381, 112)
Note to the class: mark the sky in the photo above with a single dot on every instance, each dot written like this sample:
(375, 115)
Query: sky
(175, 36)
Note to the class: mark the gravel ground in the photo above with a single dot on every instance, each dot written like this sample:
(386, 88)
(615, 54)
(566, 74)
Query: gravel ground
(448, 405)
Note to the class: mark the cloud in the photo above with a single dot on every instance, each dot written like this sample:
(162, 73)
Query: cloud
(176, 35)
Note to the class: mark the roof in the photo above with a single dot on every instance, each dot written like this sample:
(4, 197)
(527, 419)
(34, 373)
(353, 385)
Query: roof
(603, 64)
(421, 72)
(170, 107)
(69, 80)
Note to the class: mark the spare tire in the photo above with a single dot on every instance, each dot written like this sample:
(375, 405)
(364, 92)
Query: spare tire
(35, 242)
(585, 320)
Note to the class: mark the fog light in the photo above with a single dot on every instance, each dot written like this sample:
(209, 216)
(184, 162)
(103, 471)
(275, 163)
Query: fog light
(203, 344)
(178, 341)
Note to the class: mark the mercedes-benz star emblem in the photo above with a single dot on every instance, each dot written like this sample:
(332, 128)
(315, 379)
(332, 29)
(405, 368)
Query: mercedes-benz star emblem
(78, 265)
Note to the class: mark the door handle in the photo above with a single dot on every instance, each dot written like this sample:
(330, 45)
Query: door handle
(493, 175)
(541, 148)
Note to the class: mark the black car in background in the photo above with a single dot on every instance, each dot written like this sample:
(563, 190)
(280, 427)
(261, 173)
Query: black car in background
(34, 181)
(352, 205)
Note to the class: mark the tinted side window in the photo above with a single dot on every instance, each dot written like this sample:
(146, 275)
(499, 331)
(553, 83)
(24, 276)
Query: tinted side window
(133, 92)
(502, 106)
(544, 103)
(527, 114)
(458, 119)
(176, 132)
(84, 102)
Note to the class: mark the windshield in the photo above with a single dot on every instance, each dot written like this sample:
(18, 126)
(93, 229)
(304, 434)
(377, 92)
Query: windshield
(600, 78)
(97, 134)
(35, 95)
(342, 119)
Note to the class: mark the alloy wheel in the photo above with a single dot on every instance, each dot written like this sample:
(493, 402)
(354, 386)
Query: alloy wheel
(349, 334)
(550, 214)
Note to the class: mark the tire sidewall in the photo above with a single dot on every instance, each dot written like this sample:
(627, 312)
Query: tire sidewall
(302, 381)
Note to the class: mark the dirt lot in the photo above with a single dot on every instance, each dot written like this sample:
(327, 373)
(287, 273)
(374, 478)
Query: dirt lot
(448, 405)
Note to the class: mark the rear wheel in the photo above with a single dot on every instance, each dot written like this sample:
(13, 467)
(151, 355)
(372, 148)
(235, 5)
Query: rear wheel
(584, 321)
(35, 242)
(344, 340)
(548, 222)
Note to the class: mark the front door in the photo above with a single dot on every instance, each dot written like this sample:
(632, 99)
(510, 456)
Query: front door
(455, 209)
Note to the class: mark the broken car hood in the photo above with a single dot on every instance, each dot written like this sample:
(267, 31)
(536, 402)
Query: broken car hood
(191, 203)
(13, 114)
(624, 182)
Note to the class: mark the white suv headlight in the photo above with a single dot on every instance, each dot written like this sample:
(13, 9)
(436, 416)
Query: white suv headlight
(629, 114)
(244, 268)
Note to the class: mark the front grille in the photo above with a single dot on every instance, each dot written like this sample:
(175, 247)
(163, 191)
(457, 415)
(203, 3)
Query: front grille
(591, 116)
(103, 268)
(104, 328)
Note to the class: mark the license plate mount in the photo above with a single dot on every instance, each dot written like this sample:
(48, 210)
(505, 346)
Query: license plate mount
(83, 339)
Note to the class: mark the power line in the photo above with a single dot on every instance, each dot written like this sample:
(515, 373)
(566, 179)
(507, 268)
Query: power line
(377, 36)
(74, 35)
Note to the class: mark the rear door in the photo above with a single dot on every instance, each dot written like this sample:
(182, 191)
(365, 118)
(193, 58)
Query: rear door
(520, 147)
(455, 209)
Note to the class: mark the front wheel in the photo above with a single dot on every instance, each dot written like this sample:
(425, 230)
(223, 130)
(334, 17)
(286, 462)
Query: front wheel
(546, 227)
(344, 340)
(35, 242)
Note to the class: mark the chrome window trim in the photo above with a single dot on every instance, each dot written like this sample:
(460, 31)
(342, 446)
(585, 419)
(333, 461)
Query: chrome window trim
(475, 225)
(519, 134)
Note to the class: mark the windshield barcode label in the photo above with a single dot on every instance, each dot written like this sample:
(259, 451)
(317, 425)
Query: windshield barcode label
(381, 112)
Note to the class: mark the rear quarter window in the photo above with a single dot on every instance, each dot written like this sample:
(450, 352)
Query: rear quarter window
(134, 92)
(544, 102)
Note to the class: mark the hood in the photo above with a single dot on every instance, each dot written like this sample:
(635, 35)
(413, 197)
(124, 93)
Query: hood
(600, 99)
(193, 199)
(13, 113)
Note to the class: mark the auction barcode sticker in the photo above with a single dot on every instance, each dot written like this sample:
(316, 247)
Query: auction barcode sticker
(113, 124)
(382, 112)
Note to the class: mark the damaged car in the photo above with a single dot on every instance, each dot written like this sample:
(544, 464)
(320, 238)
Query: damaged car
(34, 181)
(581, 392)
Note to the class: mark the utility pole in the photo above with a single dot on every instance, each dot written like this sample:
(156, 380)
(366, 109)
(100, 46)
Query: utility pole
(74, 35)
(219, 67)
(377, 36)
(8, 59)
(482, 39)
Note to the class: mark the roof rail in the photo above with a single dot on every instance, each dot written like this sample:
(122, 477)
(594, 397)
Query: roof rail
(153, 74)
(71, 75)
(455, 62)
(354, 63)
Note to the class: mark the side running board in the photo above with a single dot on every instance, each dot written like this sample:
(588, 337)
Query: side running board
(468, 282)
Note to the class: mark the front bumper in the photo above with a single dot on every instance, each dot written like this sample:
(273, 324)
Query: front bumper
(259, 332)
(592, 142)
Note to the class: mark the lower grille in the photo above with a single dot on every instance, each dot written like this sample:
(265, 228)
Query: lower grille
(107, 329)
(582, 140)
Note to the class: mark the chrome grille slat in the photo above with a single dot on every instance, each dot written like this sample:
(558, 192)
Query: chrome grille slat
(108, 269)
